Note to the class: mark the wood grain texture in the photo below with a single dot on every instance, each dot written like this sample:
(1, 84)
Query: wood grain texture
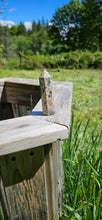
(54, 178)
(2, 94)
(23, 175)
(19, 80)
(4, 208)
(31, 182)
(21, 94)
(19, 91)
(27, 132)
(62, 100)
(51, 168)
(1, 91)
(20, 110)
(2, 81)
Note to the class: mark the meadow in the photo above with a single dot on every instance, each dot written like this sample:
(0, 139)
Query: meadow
(82, 152)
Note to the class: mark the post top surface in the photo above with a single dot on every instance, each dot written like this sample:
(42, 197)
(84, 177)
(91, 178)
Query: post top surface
(45, 74)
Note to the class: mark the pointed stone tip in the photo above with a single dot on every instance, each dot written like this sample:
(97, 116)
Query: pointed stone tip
(45, 74)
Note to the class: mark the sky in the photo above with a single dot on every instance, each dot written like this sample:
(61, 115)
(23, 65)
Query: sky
(27, 11)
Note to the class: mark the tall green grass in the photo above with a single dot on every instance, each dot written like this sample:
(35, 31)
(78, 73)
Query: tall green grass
(82, 162)
(1, 216)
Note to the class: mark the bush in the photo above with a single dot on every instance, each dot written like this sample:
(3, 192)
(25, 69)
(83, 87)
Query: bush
(12, 63)
(71, 60)
(98, 60)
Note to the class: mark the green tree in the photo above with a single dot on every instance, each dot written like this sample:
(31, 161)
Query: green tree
(13, 30)
(43, 23)
(91, 24)
(11, 48)
(39, 27)
(1, 54)
(21, 29)
(78, 24)
(40, 41)
(34, 27)
(23, 44)
(5, 39)
(66, 25)
(55, 37)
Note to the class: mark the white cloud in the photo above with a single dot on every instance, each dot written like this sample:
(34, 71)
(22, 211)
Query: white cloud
(7, 23)
(28, 25)
(50, 24)
(12, 9)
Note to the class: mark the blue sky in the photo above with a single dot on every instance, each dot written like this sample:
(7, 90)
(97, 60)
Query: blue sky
(27, 11)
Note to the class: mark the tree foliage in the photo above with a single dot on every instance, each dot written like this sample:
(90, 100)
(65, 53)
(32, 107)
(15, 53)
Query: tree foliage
(75, 26)
(79, 24)
(21, 29)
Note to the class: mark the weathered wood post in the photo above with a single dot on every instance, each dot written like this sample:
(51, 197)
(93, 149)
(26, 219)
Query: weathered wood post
(30, 152)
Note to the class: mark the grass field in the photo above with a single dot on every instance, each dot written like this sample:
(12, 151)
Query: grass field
(82, 152)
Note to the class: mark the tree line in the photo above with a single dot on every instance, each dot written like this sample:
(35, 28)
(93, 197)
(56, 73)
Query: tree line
(17, 39)
(75, 26)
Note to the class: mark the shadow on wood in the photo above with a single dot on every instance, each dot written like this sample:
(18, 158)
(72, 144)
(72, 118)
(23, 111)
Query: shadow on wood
(24, 180)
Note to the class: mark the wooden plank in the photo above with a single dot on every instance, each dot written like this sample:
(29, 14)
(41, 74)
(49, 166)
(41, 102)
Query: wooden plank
(27, 132)
(53, 165)
(22, 81)
(19, 91)
(21, 94)
(4, 210)
(2, 81)
(2, 94)
(19, 110)
(62, 100)
(19, 81)
(60, 175)
(32, 183)
(23, 175)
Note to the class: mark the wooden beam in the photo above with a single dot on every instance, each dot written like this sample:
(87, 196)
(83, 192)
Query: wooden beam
(19, 91)
(28, 132)
(21, 94)
(62, 101)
